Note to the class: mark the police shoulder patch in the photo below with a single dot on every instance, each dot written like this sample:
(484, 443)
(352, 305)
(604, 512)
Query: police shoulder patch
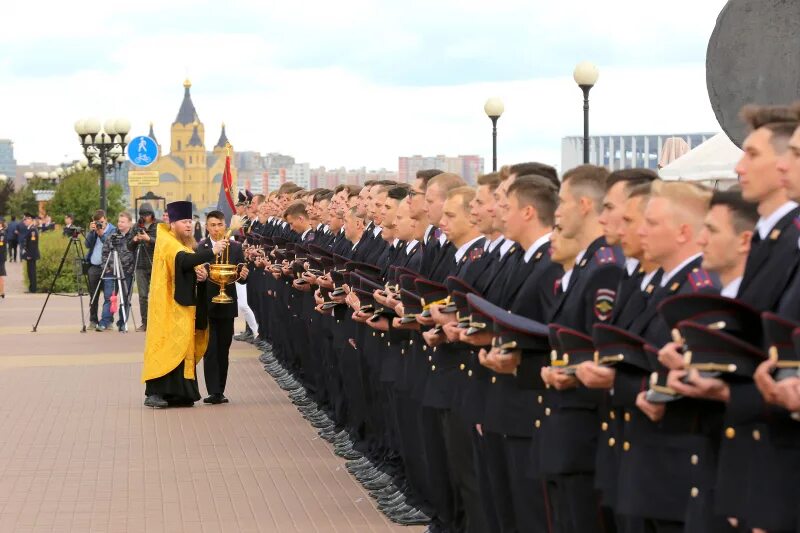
(475, 253)
(605, 256)
(604, 303)
(699, 279)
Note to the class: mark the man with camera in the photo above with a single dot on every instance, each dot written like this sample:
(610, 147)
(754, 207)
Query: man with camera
(117, 242)
(99, 230)
(144, 242)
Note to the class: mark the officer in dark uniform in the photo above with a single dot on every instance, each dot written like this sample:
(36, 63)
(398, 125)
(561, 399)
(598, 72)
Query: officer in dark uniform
(30, 250)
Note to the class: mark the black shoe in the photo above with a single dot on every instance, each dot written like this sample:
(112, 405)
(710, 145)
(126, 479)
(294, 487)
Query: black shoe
(215, 399)
(413, 518)
(181, 403)
(156, 402)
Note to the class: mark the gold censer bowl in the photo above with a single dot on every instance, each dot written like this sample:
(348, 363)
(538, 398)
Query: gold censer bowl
(223, 274)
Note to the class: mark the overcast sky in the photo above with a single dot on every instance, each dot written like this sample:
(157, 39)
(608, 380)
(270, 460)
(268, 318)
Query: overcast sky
(354, 82)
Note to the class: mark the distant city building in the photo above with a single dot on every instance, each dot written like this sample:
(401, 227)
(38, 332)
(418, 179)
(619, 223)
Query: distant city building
(616, 152)
(329, 179)
(468, 167)
(8, 165)
(188, 171)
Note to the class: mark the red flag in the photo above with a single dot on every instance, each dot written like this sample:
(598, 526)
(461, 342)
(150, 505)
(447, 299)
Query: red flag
(227, 182)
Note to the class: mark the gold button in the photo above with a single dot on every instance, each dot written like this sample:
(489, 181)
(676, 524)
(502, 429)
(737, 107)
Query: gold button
(612, 441)
(612, 415)
(540, 399)
(627, 417)
(694, 492)
(694, 459)
(433, 367)
(538, 423)
(756, 434)
(626, 446)
(494, 379)
(462, 366)
(469, 373)
(604, 426)
(730, 433)
(547, 411)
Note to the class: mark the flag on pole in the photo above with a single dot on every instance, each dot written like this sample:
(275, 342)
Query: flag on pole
(225, 201)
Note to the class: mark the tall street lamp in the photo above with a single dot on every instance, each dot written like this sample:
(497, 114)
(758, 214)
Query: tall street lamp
(585, 75)
(103, 148)
(494, 108)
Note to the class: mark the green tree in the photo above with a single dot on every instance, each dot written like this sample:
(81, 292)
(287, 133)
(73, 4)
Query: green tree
(6, 190)
(24, 200)
(79, 194)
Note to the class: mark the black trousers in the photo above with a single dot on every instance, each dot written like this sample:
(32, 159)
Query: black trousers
(95, 274)
(215, 365)
(31, 264)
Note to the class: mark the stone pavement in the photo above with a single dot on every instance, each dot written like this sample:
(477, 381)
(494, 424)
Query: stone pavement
(79, 452)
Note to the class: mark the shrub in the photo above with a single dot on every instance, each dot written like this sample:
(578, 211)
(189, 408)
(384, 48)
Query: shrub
(51, 249)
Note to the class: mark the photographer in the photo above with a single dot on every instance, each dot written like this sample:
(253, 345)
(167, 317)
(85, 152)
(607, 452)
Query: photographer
(98, 232)
(117, 241)
(69, 226)
(144, 239)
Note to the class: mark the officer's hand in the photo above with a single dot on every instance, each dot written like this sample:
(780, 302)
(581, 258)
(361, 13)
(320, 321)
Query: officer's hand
(562, 381)
(482, 338)
(358, 316)
(505, 363)
(318, 299)
(432, 338)
(380, 324)
(595, 376)
(352, 300)
(670, 356)
(309, 277)
(322, 311)
(304, 287)
(325, 281)
(399, 309)
(244, 272)
(765, 383)
(378, 294)
(479, 429)
(789, 394)
(439, 317)
(546, 373)
(653, 411)
(697, 386)
(412, 326)
(452, 331)
(425, 321)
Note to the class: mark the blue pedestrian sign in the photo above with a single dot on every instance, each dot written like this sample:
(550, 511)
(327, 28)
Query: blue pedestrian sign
(142, 151)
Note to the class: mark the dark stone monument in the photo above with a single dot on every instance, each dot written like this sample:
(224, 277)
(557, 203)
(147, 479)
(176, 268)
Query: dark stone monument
(753, 57)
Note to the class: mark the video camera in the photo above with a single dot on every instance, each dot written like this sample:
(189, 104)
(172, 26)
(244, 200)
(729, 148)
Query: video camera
(73, 232)
(140, 225)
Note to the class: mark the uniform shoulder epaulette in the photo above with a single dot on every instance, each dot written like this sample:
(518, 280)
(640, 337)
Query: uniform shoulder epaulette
(699, 279)
(605, 256)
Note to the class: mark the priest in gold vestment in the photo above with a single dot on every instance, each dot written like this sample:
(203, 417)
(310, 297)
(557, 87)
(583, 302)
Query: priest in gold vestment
(177, 329)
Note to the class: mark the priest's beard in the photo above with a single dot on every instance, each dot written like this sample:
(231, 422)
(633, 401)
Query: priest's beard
(186, 240)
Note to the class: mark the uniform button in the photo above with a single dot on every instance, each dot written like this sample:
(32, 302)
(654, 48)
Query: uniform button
(626, 446)
(434, 348)
(424, 347)
(547, 411)
(694, 492)
(411, 342)
(430, 358)
(402, 351)
(433, 367)
(469, 373)
(604, 426)
(730, 433)
(612, 415)
(373, 333)
(694, 459)
(612, 441)
(756, 434)
(627, 417)
(494, 379)
(540, 399)
(462, 366)
(538, 424)
(381, 335)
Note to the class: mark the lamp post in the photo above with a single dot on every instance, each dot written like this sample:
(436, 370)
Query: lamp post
(102, 148)
(585, 75)
(494, 108)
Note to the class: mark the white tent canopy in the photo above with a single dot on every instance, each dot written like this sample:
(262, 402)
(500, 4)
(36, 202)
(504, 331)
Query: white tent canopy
(715, 159)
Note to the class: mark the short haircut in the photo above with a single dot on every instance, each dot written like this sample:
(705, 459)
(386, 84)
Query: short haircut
(426, 175)
(535, 168)
(641, 191)
(219, 215)
(538, 192)
(588, 181)
(398, 192)
(259, 197)
(298, 195)
(781, 121)
(744, 214)
(342, 187)
(632, 177)
(370, 183)
(286, 185)
(491, 180)
(447, 181)
(687, 197)
(126, 215)
(353, 212)
(291, 190)
(98, 215)
(296, 209)
(386, 183)
(355, 190)
(466, 194)
(323, 194)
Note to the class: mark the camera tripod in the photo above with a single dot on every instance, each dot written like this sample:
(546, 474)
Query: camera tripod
(141, 247)
(118, 276)
(73, 244)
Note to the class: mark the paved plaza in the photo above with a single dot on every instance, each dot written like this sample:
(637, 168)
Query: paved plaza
(79, 452)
